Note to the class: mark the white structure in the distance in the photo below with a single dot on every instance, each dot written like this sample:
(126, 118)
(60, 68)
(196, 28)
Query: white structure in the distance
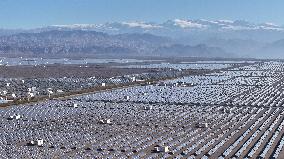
(38, 142)
(75, 105)
(13, 95)
(49, 91)
(60, 91)
(30, 94)
(162, 149)
(133, 79)
(105, 121)
(16, 116)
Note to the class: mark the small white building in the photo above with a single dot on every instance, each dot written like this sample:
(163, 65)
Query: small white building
(162, 149)
(30, 95)
(75, 105)
(13, 95)
(49, 91)
(38, 142)
(133, 79)
(60, 91)
(105, 121)
(103, 84)
(16, 117)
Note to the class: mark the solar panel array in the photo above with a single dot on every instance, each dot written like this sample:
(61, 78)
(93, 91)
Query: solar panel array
(242, 108)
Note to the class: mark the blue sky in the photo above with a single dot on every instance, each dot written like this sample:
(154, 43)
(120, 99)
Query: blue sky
(36, 13)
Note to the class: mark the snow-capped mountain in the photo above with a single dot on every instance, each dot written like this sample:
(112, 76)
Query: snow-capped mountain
(221, 25)
(110, 28)
(192, 31)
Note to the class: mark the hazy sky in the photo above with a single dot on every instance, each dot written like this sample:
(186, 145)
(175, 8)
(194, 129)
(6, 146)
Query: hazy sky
(35, 13)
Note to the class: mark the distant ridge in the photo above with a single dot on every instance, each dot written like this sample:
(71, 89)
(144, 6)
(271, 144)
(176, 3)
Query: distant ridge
(57, 42)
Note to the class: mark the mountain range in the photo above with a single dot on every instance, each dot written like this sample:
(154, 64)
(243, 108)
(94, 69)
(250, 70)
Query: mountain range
(83, 43)
(176, 37)
(177, 24)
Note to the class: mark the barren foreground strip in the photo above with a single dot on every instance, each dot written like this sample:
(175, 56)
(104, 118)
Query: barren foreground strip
(59, 71)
